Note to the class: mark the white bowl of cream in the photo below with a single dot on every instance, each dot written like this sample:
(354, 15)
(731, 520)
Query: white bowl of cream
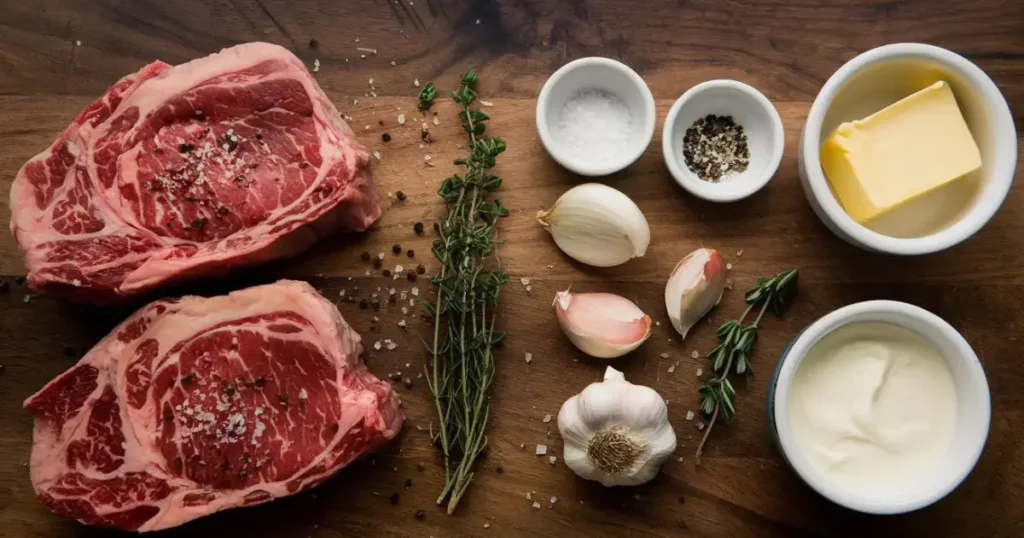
(881, 407)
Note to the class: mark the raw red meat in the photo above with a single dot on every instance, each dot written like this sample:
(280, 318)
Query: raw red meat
(179, 172)
(194, 405)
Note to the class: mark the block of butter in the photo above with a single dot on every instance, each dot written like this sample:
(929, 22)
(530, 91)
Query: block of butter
(899, 153)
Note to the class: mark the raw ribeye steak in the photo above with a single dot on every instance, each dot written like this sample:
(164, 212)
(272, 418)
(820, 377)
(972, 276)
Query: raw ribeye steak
(192, 170)
(195, 405)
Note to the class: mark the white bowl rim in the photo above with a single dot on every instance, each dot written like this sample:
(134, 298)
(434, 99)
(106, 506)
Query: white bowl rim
(843, 316)
(581, 166)
(970, 222)
(713, 191)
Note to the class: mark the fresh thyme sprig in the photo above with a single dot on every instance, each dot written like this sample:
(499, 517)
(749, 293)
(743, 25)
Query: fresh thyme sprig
(462, 353)
(427, 95)
(736, 341)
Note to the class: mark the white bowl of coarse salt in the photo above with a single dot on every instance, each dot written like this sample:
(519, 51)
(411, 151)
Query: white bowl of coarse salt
(595, 116)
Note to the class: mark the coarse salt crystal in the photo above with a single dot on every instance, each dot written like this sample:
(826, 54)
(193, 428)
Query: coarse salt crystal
(401, 119)
(394, 63)
(529, 496)
(303, 394)
(525, 281)
(542, 450)
(664, 355)
(316, 66)
(695, 354)
(671, 368)
(689, 415)
(595, 125)
(436, 121)
(405, 310)
(536, 505)
(700, 372)
(376, 155)
(529, 357)
(739, 252)
(700, 426)
(415, 291)
(554, 500)
(552, 460)
(416, 82)
(376, 345)
(401, 323)
(341, 293)
(529, 288)
(728, 266)
(547, 418)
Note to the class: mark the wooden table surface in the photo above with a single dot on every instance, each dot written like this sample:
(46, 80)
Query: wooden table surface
(55, 57)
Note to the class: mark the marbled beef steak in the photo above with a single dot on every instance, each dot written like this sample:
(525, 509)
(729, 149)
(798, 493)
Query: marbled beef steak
(195, 405)
(178, 172)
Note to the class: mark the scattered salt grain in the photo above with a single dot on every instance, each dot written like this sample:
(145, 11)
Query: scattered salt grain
(416, 82)
(486, 103)
(700, 372)
(436, 121)
(529, 288)
(366, 49)
(415, 291)
(78, 42)
(728, 266)
(739, 252)
(689, 415)
(26, 299)
(389, 344)
(376, 155)
(529, 357)
(671, 368)
(402, 324)
(316, 66)
(487, 525)
(529, 496)
(401, 119)
(341, 293)
(657, 324)
(303, 394)
(376, 345)
(393, 63)
(542, 450)
(595, 125)
(664, 355)
(405, 310)
(699, 425)
(547, 418)
(552, 460)
(536, 505)
(525, 281)
(554, 500)
(695, 354)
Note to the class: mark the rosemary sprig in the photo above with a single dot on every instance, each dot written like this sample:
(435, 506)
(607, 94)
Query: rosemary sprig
(735, 343)
(462, 366)
(427, 95)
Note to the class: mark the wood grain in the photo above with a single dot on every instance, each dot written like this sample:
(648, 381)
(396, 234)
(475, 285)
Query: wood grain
(786, 49)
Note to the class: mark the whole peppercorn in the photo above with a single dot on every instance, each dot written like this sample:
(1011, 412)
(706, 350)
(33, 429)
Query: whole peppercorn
(397, 249)
(418, 228)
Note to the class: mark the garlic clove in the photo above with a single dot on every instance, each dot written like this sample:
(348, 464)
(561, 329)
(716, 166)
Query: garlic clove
(694, 288)
(597, 225)
(602, 325)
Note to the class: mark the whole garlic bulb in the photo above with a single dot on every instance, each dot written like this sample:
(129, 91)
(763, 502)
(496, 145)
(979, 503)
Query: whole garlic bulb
(694, 288)
(602, 325)
(615, 432)
(597, 225)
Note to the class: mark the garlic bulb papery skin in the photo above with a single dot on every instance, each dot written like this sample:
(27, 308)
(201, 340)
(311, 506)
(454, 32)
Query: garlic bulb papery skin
(615, 432)
(694, 288)
(602, 325)
(597, 225)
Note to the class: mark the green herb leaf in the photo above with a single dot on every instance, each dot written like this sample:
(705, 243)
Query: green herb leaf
(427, 96)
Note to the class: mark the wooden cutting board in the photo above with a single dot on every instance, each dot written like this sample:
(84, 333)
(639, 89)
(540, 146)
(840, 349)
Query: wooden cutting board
(55, 57)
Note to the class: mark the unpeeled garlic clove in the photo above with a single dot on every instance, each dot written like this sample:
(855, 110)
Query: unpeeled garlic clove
(597, 225)
(694, 288)
(602, 325)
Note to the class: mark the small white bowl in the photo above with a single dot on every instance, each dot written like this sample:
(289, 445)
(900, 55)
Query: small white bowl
(878, 78)
(602, 74)
(973, 414)
(749, 108)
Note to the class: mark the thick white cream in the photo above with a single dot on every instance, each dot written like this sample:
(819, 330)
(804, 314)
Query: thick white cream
(872, 406)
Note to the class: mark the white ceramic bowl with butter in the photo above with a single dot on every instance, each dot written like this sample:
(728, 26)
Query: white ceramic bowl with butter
(605, 75)
(973, 404)
(878, 78)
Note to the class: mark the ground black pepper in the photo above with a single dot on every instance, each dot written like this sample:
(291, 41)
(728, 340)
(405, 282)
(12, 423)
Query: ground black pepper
(715, 146)
(313, 44)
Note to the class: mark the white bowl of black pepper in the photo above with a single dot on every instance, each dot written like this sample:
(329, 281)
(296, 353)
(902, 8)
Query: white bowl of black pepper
(722, 140)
